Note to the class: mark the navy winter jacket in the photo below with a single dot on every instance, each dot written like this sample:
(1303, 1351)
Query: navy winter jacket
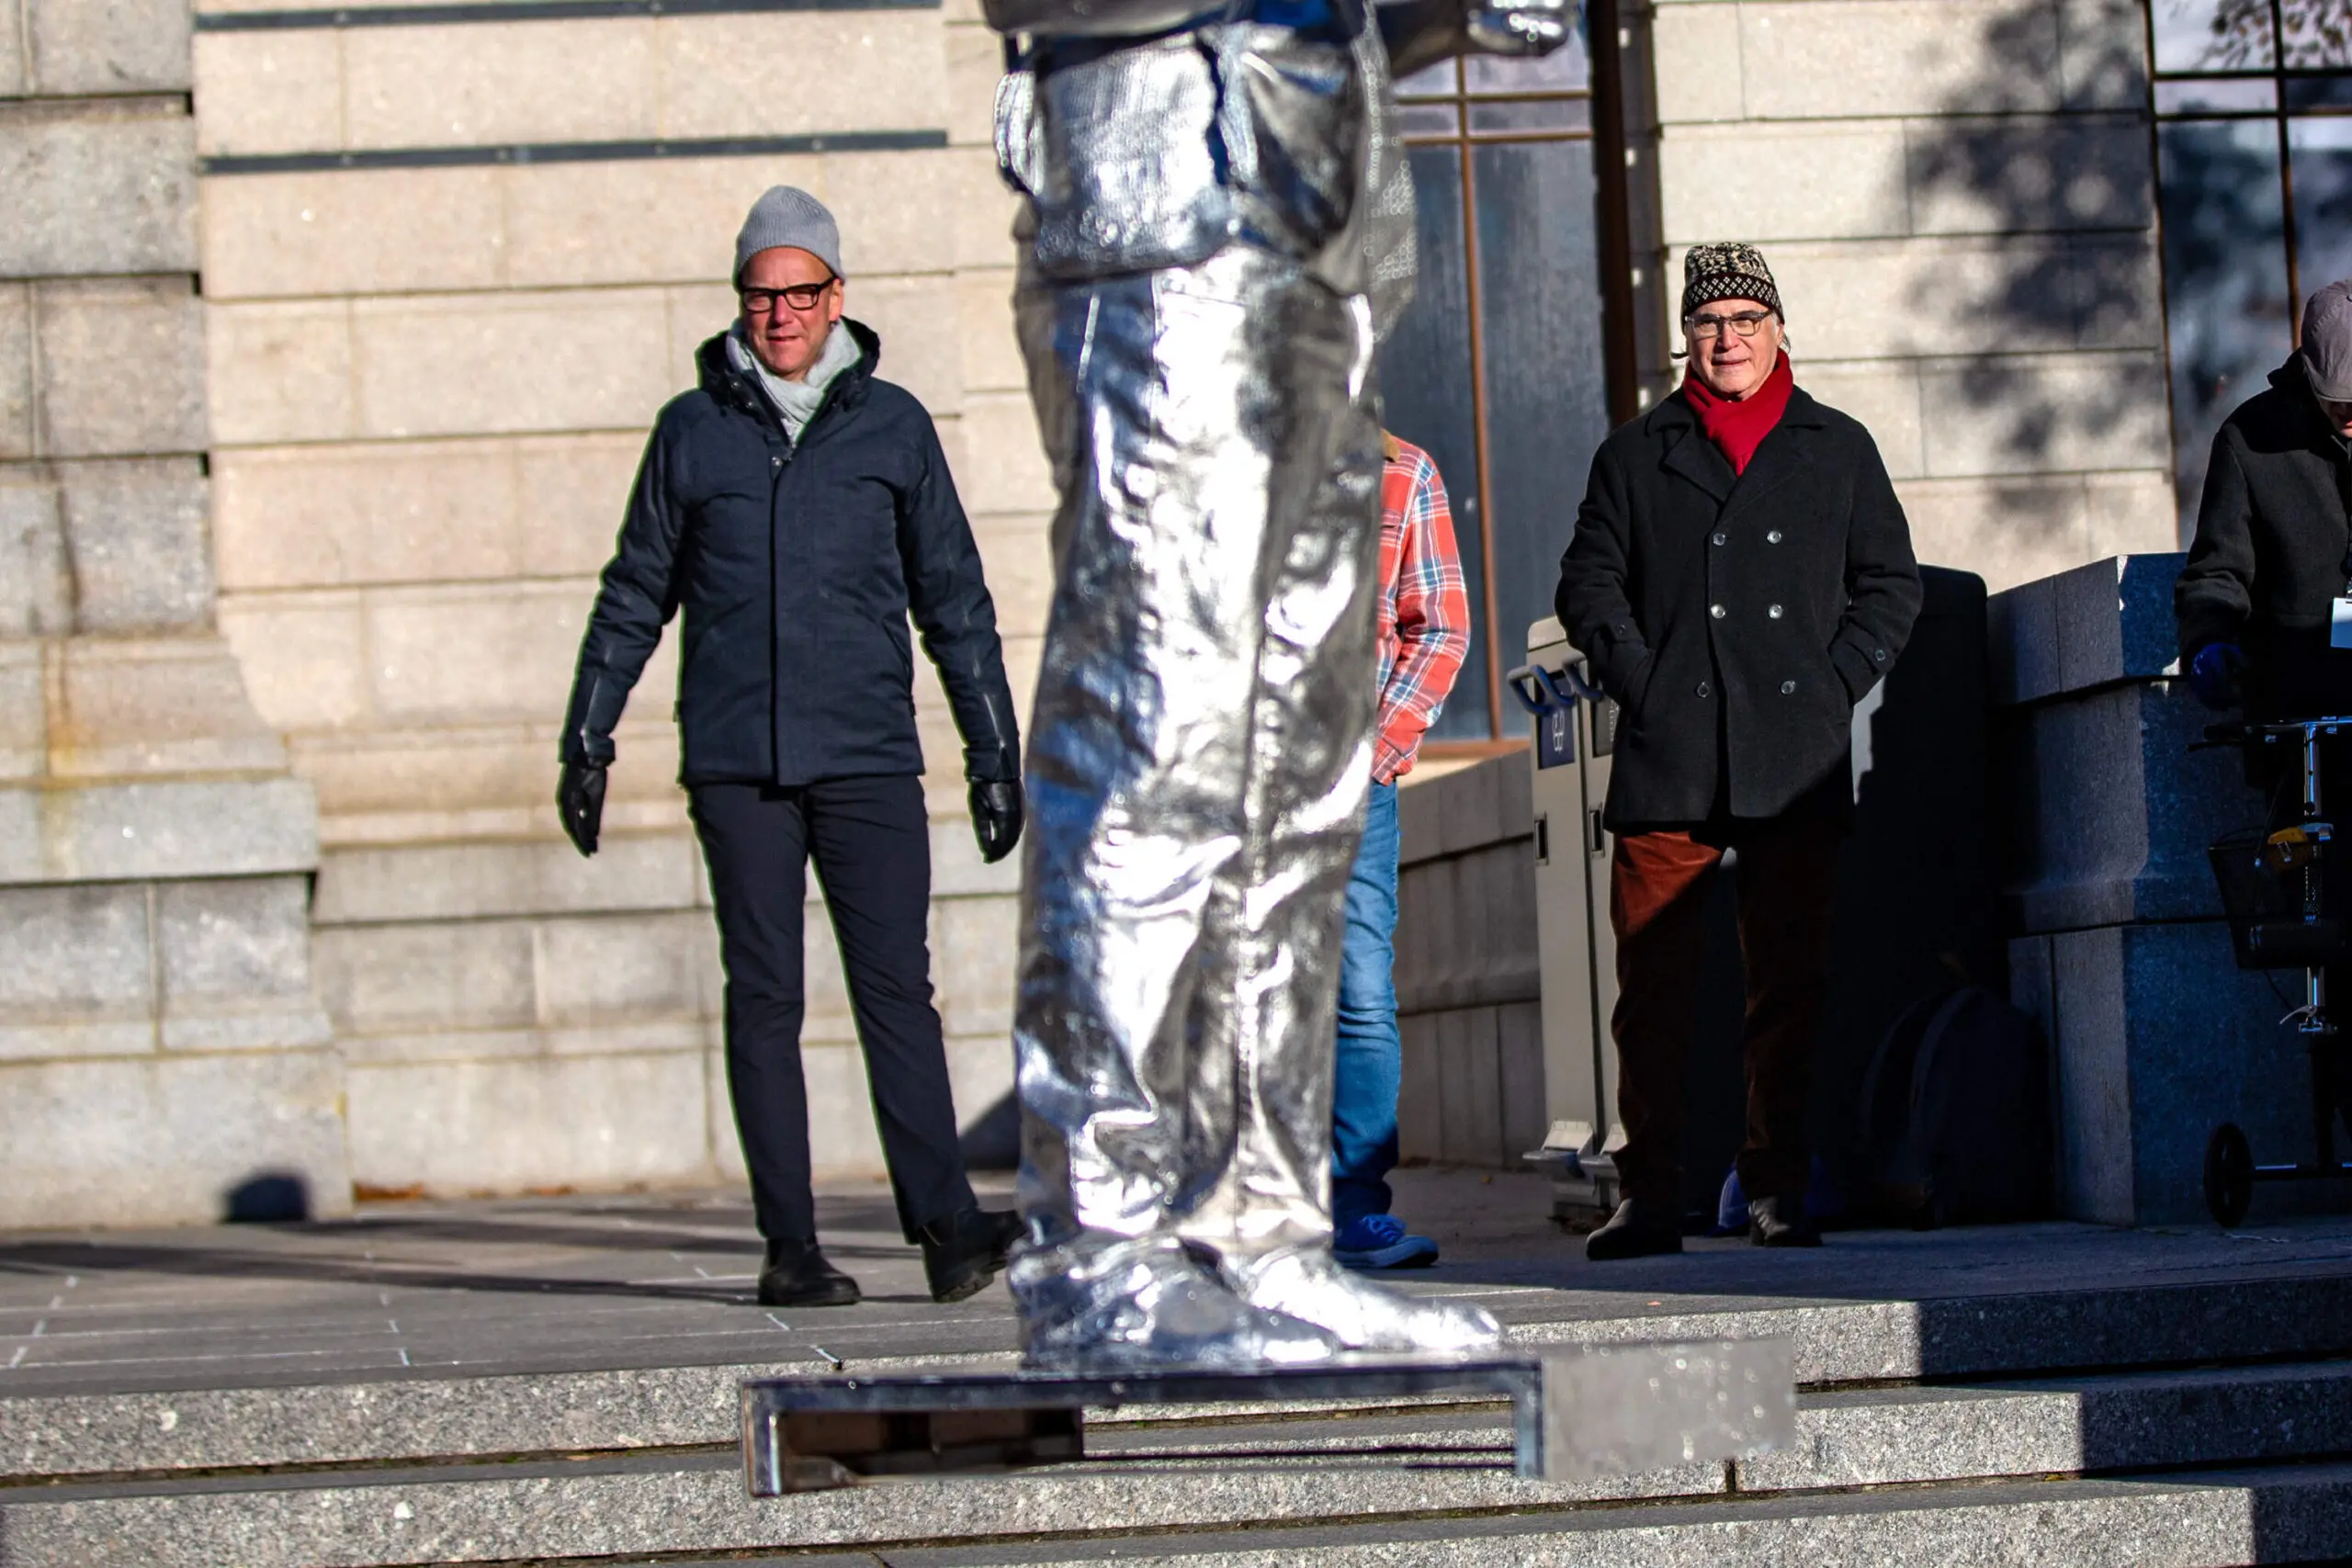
(797, 565)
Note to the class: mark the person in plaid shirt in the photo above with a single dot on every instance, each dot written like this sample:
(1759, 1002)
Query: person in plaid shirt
(1424, 634)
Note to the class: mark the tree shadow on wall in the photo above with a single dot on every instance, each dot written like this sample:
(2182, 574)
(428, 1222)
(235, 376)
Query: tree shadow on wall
(2068, 199)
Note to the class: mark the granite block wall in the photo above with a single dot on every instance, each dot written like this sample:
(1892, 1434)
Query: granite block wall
(162, 1044)
(2121, 950)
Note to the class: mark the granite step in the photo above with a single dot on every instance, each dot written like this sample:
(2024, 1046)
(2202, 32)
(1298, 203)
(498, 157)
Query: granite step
(437, 1414)
(2299, 1514)
(1336, 1473)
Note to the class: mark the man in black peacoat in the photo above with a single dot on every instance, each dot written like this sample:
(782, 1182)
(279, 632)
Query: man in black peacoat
(1740, 576)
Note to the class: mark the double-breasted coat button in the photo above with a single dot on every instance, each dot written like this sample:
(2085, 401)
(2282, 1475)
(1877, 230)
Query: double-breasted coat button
(1773, 537)
(1701, 690)
(1774, 612)
(1787, 687)
(1716, 611)
(1878, 656)
(1720, 538)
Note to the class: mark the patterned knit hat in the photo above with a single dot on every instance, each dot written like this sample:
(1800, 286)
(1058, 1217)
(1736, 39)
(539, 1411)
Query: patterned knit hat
(1731, 271)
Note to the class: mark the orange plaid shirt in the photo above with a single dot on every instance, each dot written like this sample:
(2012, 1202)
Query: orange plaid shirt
(1424, 611)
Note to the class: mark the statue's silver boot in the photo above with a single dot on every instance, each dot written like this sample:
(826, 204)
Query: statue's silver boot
(1306, 1284)
(1147, 1304)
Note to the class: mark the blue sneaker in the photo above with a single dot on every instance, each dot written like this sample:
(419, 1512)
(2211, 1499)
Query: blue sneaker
(1381, 1241)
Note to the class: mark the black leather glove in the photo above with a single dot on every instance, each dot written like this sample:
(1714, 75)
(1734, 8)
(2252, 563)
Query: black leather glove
(580, 801)
(996, 817)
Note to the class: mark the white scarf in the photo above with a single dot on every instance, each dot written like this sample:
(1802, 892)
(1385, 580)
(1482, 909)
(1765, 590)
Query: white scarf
(797, 400)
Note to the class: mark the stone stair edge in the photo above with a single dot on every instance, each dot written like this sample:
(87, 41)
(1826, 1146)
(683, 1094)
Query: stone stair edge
(2196, 1520)
(492, 1411)
(2273, 1513)
(1860, 1441)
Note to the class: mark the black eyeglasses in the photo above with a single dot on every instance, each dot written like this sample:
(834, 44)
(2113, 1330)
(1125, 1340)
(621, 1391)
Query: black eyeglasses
(1744, 323)
(799, 296)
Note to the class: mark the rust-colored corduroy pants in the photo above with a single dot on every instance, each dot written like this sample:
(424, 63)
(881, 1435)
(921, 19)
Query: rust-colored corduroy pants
(1786, 874)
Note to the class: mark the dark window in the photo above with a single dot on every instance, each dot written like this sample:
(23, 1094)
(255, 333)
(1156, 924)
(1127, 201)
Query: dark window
(1497, 369)
(2253, 168)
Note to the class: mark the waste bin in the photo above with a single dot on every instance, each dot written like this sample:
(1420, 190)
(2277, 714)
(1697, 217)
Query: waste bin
(1574, 740)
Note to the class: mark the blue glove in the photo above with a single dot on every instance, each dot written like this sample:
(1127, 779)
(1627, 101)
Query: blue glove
(2213, 673)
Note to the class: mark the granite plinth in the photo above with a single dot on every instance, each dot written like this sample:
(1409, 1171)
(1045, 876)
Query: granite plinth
(2108, 621)
(2111, 808)
(2120, 950)
(2158, 1038)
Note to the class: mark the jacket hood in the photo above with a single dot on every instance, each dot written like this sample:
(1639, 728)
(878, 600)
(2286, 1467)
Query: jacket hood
(724, 383)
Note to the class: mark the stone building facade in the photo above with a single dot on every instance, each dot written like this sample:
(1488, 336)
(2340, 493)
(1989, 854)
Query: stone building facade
(159, 1034)
(330, 346)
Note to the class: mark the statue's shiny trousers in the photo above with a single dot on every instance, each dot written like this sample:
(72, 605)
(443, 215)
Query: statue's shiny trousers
(1198, 759)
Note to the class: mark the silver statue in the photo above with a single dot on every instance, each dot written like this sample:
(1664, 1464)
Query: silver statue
(1217, 219)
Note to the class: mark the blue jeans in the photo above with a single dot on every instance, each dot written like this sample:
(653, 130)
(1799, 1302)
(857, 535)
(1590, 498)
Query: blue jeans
(1372, 1056)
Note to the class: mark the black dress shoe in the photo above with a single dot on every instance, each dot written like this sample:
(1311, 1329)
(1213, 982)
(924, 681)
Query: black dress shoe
(1638, 1229)
(797, 1275)
(963, 1252)
(1782, 1221)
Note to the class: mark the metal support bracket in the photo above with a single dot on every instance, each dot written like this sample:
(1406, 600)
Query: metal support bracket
(1578, 1411)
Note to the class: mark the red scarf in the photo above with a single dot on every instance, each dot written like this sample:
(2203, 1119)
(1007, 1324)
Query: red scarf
(1738, 429)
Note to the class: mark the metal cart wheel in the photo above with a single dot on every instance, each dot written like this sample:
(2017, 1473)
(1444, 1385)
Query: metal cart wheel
(2229, 1175)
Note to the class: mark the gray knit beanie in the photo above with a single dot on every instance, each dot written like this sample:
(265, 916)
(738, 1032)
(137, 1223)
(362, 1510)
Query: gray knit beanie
(1730, 271)
(787, 215)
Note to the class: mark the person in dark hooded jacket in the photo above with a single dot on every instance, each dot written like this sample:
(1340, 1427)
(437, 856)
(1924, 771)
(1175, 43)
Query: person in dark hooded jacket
(795, 508)
(2273, 551)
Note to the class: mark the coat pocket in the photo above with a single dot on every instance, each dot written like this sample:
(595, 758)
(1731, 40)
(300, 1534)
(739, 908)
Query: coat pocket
(1295, 119)
(1637, 688)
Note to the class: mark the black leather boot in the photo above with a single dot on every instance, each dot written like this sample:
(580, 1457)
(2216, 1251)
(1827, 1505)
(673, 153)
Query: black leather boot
(1640, 1228)
(797, 1275)
(1780, 1220)
(963, 1252)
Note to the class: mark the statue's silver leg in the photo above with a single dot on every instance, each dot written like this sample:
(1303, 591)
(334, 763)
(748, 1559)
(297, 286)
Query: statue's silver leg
(1197, 769)
(1184, 434)
(1280, 911)
(1199, 751)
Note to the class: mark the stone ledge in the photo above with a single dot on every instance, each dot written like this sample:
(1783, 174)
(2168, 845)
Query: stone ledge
(107, 832)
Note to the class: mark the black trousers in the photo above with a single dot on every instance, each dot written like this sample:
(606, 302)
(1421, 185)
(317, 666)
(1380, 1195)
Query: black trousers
(871, 840)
